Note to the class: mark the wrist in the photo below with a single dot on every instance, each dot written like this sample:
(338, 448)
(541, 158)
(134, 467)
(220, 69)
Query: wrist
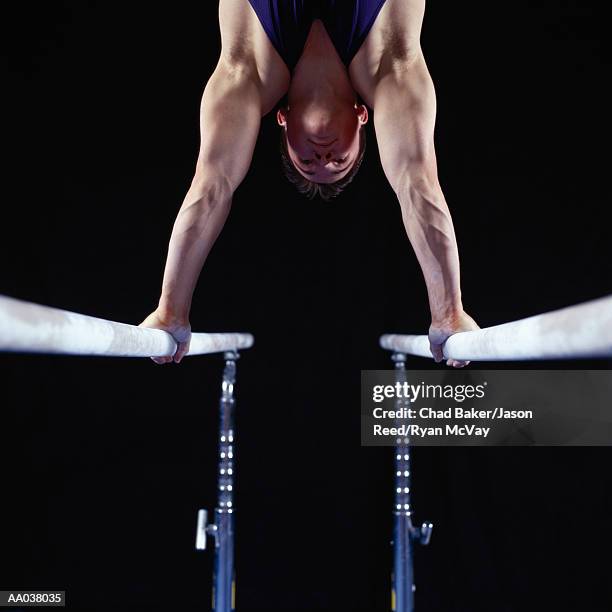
(447, 315)
(173, 313)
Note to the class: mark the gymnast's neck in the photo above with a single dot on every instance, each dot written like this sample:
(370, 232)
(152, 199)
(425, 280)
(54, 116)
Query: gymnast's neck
(320, 79)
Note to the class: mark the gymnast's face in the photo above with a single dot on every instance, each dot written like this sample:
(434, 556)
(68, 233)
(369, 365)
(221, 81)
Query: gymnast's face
(323, 146)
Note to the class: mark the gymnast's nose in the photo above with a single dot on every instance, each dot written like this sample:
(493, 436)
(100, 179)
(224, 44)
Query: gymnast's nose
(323, 153)
(325, 157)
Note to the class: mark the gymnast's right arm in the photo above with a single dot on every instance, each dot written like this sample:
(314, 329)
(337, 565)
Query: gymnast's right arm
(229, 123)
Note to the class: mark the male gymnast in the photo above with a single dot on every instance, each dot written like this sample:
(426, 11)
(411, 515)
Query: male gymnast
(325, 56)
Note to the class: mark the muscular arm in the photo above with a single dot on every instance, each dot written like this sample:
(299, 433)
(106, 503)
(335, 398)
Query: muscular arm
(229, 123)
(404, 115)
(230, 118)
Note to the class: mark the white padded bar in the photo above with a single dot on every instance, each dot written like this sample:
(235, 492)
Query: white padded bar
(576, 332)
(31, 328)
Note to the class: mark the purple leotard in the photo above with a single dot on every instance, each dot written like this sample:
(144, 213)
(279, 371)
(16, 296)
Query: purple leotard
(287, 23)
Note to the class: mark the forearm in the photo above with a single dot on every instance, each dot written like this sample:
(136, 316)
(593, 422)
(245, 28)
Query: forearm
(430, 230)
(197, 226)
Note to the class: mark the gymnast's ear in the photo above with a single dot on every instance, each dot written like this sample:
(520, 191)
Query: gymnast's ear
(362, 113)
(281, 116)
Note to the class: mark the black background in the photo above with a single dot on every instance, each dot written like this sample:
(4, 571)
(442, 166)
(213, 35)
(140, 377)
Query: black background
(105, 461)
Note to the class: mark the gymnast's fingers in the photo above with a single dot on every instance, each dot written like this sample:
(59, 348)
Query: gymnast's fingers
(161, 360)
(436, 351)
(181, 351)
(456, 363)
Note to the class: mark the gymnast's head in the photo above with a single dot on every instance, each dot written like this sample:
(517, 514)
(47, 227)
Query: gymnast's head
(321, 147)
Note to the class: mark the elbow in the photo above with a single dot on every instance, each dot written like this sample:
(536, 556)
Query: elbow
(419, 182)
(425, 185)
(209, 190)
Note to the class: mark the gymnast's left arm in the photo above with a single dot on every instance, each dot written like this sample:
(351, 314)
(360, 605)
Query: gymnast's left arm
(404, 116)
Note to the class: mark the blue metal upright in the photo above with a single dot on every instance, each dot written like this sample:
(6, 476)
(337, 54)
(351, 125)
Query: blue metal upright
(404, 532)
(223, 528)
